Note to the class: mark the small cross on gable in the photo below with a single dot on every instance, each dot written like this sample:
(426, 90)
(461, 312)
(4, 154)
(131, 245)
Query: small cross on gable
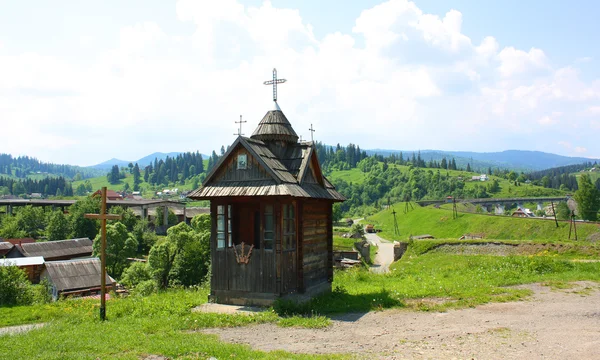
(239, 133)
(312, 131)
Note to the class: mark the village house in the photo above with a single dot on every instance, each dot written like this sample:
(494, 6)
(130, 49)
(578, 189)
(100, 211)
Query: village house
(75, 278)
(33, 266)
(110, 195)
(271, 210)
(57, 250)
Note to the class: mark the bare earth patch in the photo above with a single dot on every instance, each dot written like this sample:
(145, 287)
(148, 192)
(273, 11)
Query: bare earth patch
(554, 323)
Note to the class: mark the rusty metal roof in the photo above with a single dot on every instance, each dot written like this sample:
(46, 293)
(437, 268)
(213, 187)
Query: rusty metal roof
(75, 274)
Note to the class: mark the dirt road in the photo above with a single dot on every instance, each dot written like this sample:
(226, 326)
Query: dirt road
(553, 324)
(385, 253)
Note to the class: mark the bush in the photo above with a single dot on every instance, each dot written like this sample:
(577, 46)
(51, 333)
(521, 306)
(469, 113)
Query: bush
(14, 287)
(137, 273)
(146, 288)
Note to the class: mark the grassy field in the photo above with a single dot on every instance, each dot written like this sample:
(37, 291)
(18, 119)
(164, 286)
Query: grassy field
(163, 324)
(100, 181)
(440, 224)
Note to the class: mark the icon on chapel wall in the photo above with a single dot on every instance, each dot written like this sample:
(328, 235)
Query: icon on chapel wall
(242, 162)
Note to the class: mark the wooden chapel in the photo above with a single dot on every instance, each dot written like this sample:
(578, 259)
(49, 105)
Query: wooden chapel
(271, 210)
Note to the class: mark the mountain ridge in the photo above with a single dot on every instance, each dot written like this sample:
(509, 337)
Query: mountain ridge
(142, 162)
(522, 160)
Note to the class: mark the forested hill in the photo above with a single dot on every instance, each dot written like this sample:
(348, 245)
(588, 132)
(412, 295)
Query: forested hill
(562, 176)
(517, 160)
(23, 166)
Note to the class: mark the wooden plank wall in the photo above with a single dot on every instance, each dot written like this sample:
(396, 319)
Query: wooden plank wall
(230, 172)
(256, 276)
(315, 245)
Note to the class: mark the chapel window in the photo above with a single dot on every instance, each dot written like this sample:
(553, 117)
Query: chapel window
(269, 231)
(289, 227)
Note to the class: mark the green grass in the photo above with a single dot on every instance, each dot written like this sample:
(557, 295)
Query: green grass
(440, 224)
(340, 243)
(161, 324)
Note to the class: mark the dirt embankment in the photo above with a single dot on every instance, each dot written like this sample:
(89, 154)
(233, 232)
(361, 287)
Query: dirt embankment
(553, 324)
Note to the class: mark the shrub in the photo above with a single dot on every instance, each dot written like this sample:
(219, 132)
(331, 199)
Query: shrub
(135, 274)
(146, 288)
(14, 286)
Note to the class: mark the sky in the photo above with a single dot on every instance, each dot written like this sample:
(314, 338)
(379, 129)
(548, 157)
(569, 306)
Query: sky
(83, 82)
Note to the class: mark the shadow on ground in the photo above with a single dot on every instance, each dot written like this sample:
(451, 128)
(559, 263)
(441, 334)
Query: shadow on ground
(340, 305)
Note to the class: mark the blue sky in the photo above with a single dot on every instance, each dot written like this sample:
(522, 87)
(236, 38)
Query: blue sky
(135, 77)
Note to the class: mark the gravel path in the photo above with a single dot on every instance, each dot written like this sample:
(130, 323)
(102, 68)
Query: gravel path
(19, 328)
(553, 324)
(385, 253)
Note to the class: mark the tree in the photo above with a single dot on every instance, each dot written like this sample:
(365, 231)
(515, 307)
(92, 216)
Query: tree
(160, 260)
(468, 167)
(136, 178)
(120, 245)
(126, 187)
(512, 176)
(587, 198)
(562, 211)
(201, 223)
(128, 218)
(81, 190)
(114, 175)
(79, 225)
(31, 220)
(336, 212)
(184, 257)
(58, 226)
(10, 228)
(136, 273)
(14, 286)
(145, 237)
(493, 186)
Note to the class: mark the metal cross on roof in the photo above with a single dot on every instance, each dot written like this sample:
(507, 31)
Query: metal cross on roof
(239, 133)
(274, 82)
(312, 131)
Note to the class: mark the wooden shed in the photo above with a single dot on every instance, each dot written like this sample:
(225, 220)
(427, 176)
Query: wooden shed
(75, 278)
(271, 210)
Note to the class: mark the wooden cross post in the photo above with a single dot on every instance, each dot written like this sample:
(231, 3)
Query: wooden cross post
(103, 216)
(312, 131)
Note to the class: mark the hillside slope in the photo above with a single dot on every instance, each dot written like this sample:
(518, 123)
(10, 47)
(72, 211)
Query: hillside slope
(440, 224)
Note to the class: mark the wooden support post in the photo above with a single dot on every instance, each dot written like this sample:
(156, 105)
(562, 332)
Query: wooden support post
(554, 212)
(103, 216)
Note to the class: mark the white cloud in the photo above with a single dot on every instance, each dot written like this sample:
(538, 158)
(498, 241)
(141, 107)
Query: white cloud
(155, 90)
(580, 149)
(514, 61)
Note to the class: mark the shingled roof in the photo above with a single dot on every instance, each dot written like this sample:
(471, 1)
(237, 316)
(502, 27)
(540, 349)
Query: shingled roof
(288, 165)
(275, 126)
(59, 249)
(78, 274)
